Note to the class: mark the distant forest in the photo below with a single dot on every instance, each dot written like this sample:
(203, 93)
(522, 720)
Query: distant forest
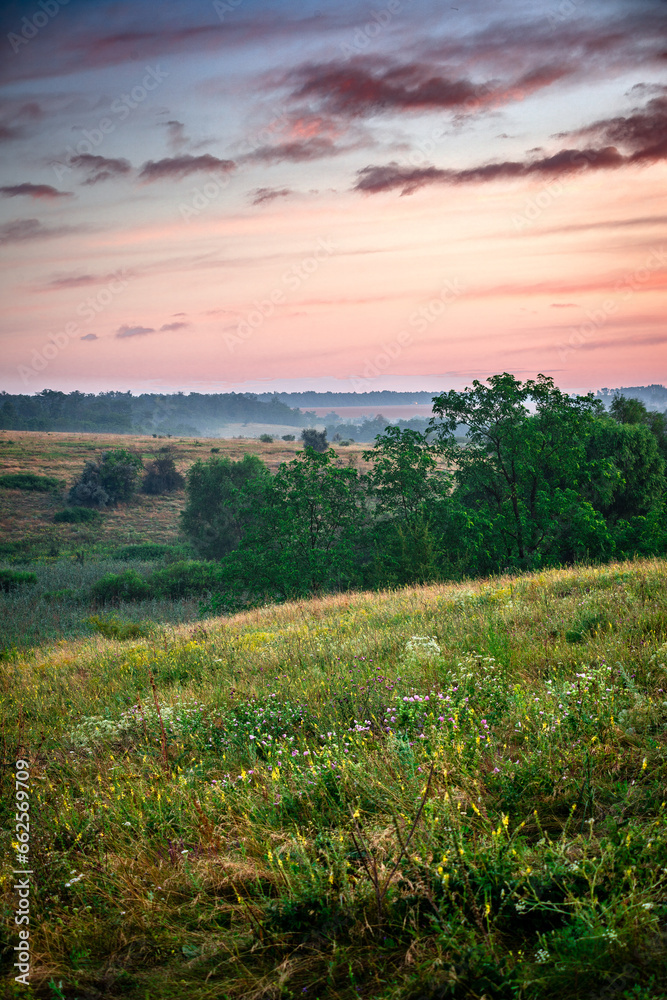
(205, 414)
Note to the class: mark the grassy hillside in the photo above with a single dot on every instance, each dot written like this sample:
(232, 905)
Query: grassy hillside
(449, 791)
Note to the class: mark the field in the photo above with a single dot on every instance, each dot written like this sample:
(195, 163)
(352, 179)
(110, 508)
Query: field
(452, 791)
(448, 791)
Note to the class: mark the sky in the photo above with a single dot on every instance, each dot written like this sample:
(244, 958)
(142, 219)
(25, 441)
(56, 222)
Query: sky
(272, 194)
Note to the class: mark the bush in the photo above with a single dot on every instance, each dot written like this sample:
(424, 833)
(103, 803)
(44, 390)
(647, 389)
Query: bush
(113, 480)
(162, 477)
(127, 586)
(288, 437)
(184, 579)
(76, 515)
(266, 438)
(317, 440)
(12, 579)
(29, 481)
(111, 627)
(145, 552)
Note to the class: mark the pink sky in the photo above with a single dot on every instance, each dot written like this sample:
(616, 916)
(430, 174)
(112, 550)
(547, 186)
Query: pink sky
(265, 194)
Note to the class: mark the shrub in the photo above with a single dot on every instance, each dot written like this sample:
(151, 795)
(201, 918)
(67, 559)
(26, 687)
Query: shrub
(127, 586)
(162, 477)
(13, 579)
(76, 515)
(215, 451)
(113, 480)
(112, 627)
(29, 481)
(145, 551)
(266, 438)
(185, 579)
(288, 437)
(317, 440)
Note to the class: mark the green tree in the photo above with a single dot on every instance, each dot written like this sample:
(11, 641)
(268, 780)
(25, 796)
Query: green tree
(306, 528)
(113, 480)
(633, 411)
(521, 475)
(217, 509)
(317, 440)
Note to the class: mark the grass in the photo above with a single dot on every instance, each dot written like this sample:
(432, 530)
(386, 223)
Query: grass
(448, 791)
(26, 518)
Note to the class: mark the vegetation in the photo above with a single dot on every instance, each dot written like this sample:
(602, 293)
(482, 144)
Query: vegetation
(317, 440)
(13, 579)
(427, 793)
(76, 515)
(162, 476)
(29, 481)
(112, 480)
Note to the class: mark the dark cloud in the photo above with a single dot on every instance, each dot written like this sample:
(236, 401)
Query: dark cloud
(90, 336)
(178, 167)
(22, 230)
(15, 117)
(100, 168)
(33, 191)
(297, 151)
(177, 138)
(262, 195)
(643, 133)
(167, 327)
(124, 332)
(82, 280)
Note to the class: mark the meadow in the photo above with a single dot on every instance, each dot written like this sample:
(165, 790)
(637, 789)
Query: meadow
(444, 791)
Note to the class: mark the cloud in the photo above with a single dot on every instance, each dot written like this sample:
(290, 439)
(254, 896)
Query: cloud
(262, 195)
(297, 151)
(22, 230)
(33, 191)
(563, 305)
(177, 138)
(643, 133)
(124, 332)
(90, 336)
(172, 326)
(178, 167)
(100, 168)
(82, 280)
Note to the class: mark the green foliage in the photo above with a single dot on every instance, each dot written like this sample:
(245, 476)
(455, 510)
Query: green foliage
(144, 551)
(127, 586)
(187, 578)
(29, 481)
(77, 515)
(112, 627)
(288, 437)
(214, 518)
(12, 579)
(162, 477)
(312, 438)
(266, 438)
(111, 481)
(303, 529)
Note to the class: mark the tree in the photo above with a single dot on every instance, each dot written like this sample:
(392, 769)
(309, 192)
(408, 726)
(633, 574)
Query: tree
(306, 528)
(633, 411)
(217, 510)
(317, 440)
(162, 476)
(521, 476)
(113, 480)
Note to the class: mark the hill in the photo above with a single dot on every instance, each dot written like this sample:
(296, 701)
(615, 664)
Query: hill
(446, 791)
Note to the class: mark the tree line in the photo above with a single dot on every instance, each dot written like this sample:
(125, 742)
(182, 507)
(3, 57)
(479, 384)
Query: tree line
(541, 479)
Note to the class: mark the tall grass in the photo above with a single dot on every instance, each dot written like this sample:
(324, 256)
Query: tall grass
(58, 606)
(448, 791)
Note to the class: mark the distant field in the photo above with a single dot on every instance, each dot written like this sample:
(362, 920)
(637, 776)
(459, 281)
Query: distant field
(26, 515)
